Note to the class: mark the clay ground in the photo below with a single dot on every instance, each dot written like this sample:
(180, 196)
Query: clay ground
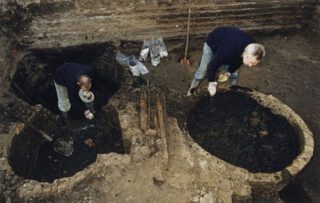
(290, 72)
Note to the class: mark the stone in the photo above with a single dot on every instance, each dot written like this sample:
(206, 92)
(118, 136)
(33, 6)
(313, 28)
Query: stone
(151, 132)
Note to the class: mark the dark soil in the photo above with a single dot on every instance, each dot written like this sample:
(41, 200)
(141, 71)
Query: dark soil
(237, 129)
(34, 158)
(298, 194)
(33, 80)
(289, 72)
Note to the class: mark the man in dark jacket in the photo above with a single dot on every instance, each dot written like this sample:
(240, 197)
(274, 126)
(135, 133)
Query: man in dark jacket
(229, 47)
(73, 83)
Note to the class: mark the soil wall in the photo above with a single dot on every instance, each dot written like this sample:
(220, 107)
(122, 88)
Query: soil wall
(59, 23)
(316, 19)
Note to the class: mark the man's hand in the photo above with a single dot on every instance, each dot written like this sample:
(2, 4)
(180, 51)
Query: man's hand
(88, 115)
(212, 88)
(86, 96)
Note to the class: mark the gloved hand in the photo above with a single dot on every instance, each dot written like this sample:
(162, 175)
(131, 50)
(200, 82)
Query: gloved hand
(88, 115)
(212, 88)
(86, 96)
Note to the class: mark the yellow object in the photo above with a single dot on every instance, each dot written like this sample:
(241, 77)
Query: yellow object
(223, 78)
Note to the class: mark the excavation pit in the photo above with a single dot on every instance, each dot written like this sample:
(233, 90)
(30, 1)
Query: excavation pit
(34, 77)
(237, 129)
(33, 157)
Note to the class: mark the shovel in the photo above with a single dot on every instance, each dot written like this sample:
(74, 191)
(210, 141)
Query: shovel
(185, 60)
(59, 145)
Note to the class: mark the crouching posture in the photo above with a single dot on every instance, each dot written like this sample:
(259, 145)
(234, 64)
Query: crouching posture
(229, 47)
(73, 83)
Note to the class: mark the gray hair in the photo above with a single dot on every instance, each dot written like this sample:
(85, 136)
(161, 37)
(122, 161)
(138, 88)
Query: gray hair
(255, 50)
(84, 80)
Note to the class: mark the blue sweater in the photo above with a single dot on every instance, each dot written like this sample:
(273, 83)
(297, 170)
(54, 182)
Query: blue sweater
(67, 76)
(227, 45)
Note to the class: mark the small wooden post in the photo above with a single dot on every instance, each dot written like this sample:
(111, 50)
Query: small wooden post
(143, 111)
(163, 127)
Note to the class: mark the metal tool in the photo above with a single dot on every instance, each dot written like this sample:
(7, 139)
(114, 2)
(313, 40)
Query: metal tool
(63, 146)
(86, 127)
(185, 60)
(60, 145)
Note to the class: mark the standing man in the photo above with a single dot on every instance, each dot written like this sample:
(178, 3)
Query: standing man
(73, 83)
(229, 47)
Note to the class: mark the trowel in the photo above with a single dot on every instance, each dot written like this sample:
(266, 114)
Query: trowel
(63, 146)
(60, 145)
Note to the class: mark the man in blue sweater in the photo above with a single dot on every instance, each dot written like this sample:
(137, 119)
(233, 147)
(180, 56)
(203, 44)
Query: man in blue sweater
(229, 47)
(73, 83)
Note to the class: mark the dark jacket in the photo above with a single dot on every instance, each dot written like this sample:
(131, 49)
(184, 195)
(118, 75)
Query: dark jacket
(67, 76)
(227, 45)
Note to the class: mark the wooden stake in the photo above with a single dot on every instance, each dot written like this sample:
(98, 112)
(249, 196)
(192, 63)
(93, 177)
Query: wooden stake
(143, 111)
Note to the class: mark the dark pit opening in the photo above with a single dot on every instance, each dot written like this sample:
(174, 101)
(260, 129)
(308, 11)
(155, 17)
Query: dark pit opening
(294, 193)
(234, 127)
(33, 157)
(33, 80)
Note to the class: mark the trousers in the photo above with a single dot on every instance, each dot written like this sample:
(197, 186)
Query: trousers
(63, 99)
(207, 57)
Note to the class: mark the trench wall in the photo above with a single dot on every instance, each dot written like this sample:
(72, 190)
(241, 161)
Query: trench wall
(315, 23)
(59, 23)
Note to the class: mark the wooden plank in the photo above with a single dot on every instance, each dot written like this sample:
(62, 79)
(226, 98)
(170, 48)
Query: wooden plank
(163, 127)
(143, 111)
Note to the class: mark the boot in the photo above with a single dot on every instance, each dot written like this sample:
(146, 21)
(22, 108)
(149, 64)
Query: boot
(145, 50)
(66, 122)
(193, 85)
